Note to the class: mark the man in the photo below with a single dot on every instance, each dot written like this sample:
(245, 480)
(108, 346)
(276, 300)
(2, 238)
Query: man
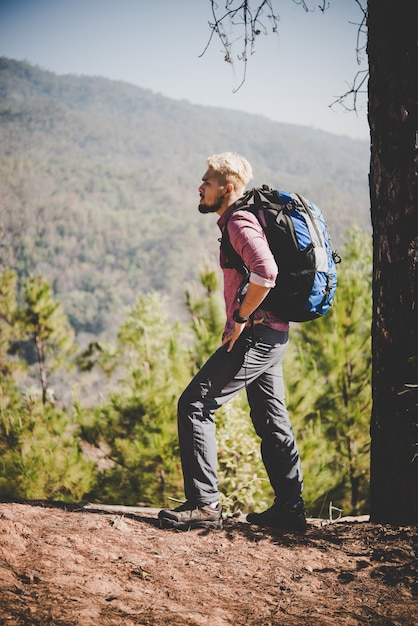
(253, 346)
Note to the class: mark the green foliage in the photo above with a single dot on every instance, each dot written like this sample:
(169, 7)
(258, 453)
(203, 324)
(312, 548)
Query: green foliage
(243, 481)
(45, 323)
(39, 444)
(9, 329)
(126, 449)
(207, 315)
(138, 423)
(330, 387)
(40, 457)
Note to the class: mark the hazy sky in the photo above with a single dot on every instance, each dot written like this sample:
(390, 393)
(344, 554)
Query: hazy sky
(292, 77)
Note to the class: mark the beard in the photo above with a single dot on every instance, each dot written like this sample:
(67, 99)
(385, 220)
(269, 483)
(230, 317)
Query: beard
(211, 208)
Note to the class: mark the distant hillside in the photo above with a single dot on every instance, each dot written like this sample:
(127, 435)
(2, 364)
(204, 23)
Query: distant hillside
(99, 179)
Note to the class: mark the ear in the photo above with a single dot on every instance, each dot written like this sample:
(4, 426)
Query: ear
(229, 188)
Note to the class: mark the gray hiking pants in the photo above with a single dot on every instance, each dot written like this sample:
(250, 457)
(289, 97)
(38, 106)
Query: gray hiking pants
(255, 362)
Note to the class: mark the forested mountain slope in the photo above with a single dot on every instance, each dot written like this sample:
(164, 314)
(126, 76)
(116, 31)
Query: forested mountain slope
(98, 185)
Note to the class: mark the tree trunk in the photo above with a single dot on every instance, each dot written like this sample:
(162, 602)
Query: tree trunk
(40, 349)
(392, 37)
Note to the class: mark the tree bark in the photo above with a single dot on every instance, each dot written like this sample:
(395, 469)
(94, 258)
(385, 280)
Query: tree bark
(392, 44)
(40, 350)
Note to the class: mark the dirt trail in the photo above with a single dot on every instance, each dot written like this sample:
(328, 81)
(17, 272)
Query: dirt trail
(67, 565)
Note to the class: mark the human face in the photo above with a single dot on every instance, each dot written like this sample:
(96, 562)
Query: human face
(212, 194)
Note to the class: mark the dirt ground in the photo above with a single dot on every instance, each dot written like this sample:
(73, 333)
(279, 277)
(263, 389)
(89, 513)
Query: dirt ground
(66, 564)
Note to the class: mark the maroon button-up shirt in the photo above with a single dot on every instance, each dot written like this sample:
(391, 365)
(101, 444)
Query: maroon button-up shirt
(248, 239)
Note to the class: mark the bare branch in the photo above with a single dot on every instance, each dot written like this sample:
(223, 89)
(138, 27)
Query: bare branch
(361, 33)
(239, 16)
(360, 79)
(322, 7)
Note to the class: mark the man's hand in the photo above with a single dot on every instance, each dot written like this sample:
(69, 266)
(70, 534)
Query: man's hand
(253, 298)
(232, 336)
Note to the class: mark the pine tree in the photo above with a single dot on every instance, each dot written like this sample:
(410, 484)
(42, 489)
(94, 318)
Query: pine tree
(40, 455)
(138, 423)
(44, 322)
(207, 313)
(332, 386)
(10, 332)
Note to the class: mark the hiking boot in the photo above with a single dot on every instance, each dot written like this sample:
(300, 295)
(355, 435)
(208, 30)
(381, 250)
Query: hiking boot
(283, 517)
(187, 516)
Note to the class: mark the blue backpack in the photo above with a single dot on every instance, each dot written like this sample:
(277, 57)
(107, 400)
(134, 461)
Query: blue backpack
(296, 231)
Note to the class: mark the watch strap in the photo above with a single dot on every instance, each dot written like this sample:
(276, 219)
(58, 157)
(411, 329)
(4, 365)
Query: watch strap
(237, 318)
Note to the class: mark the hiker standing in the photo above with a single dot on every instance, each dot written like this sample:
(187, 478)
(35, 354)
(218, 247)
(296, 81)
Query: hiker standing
(253, 347)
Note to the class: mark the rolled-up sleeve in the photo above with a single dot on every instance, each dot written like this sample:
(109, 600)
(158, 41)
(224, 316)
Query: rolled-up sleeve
(248, 239)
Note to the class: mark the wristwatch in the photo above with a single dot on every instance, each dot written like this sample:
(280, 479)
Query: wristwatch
(237, 318)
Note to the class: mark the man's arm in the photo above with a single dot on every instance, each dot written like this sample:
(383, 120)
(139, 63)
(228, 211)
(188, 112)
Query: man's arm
(253, 298)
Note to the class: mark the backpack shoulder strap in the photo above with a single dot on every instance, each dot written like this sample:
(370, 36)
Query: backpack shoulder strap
(312, 222)
(232, 258)
(273, 211)
(257, 201)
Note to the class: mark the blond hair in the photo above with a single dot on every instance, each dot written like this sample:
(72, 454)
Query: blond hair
(231, 168)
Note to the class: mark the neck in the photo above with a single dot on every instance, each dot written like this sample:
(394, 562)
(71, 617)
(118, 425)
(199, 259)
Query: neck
(233, 197)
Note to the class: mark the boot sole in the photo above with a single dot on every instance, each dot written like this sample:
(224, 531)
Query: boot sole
(208, 524)
(289, 528)
(298, 525)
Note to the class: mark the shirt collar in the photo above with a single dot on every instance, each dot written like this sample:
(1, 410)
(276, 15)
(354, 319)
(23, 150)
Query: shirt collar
(224, 217)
